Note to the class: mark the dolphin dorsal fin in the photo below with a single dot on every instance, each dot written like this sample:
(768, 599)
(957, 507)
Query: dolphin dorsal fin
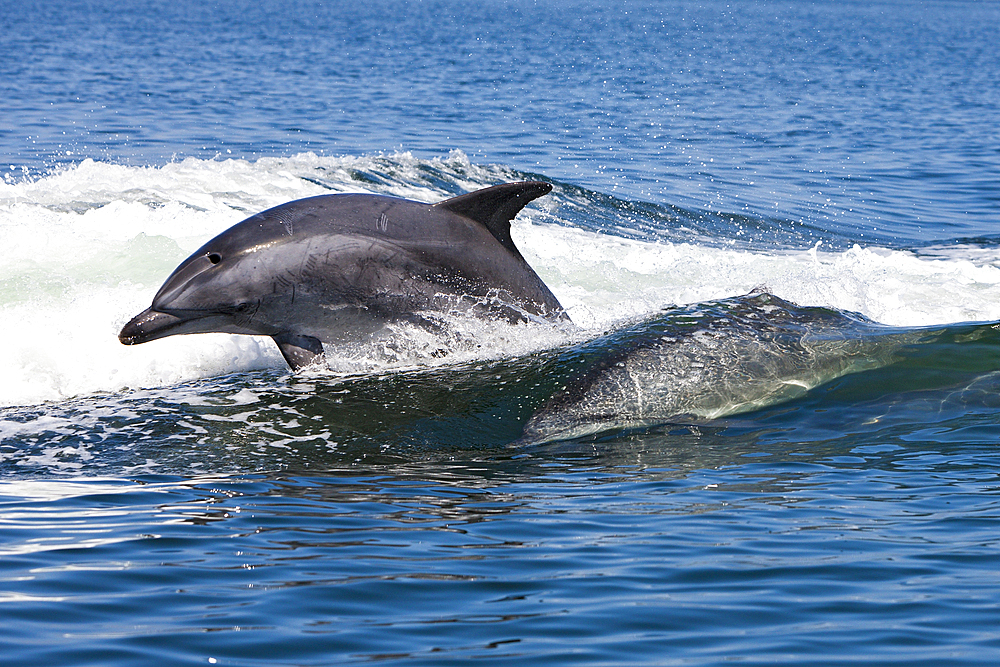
(495, 207)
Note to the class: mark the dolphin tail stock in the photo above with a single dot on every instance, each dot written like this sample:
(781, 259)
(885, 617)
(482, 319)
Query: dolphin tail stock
(495, 207)
(299, 351)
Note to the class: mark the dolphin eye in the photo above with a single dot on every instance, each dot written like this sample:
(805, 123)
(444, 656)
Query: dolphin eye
(214, 257)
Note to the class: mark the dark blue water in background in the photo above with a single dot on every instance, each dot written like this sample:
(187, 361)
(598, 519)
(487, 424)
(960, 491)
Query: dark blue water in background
(247, 520)
(874, 118)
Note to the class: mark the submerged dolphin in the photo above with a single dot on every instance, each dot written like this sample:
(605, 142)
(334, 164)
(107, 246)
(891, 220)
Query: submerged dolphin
(697, 363)
(328, 268)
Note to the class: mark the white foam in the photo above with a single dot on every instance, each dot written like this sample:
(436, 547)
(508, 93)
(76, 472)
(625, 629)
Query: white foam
(601, 279)
(85, 249)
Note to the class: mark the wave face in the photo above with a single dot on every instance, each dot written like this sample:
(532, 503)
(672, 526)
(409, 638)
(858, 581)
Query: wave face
(89, 245)
(702, 362)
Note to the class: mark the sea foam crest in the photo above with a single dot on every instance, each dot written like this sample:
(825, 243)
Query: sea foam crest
(603, 279)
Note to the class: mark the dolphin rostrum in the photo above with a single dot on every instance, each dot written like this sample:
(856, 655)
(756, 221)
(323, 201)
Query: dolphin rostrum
(333, 267)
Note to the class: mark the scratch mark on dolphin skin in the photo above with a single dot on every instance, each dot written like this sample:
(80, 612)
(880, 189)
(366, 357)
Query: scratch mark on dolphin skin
(286, 220)
(382, 224)
(250, 316)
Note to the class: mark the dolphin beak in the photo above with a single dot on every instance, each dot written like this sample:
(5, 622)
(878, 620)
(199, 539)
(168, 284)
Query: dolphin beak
(149, 325)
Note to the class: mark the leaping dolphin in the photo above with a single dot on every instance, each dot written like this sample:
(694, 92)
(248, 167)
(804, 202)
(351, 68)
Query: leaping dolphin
(328, 268)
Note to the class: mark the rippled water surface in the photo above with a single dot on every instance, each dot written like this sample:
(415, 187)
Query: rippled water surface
(677, 547)
(806, 475)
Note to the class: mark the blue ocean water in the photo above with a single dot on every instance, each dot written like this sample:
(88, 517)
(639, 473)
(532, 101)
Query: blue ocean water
(190, 501)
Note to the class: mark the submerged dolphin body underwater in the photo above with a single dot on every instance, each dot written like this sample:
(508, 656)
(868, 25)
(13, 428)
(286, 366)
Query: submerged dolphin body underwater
(697, 363)
(340, 268)
(334, 268)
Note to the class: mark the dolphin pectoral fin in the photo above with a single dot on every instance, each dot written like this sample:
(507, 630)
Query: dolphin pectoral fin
(299, 351)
